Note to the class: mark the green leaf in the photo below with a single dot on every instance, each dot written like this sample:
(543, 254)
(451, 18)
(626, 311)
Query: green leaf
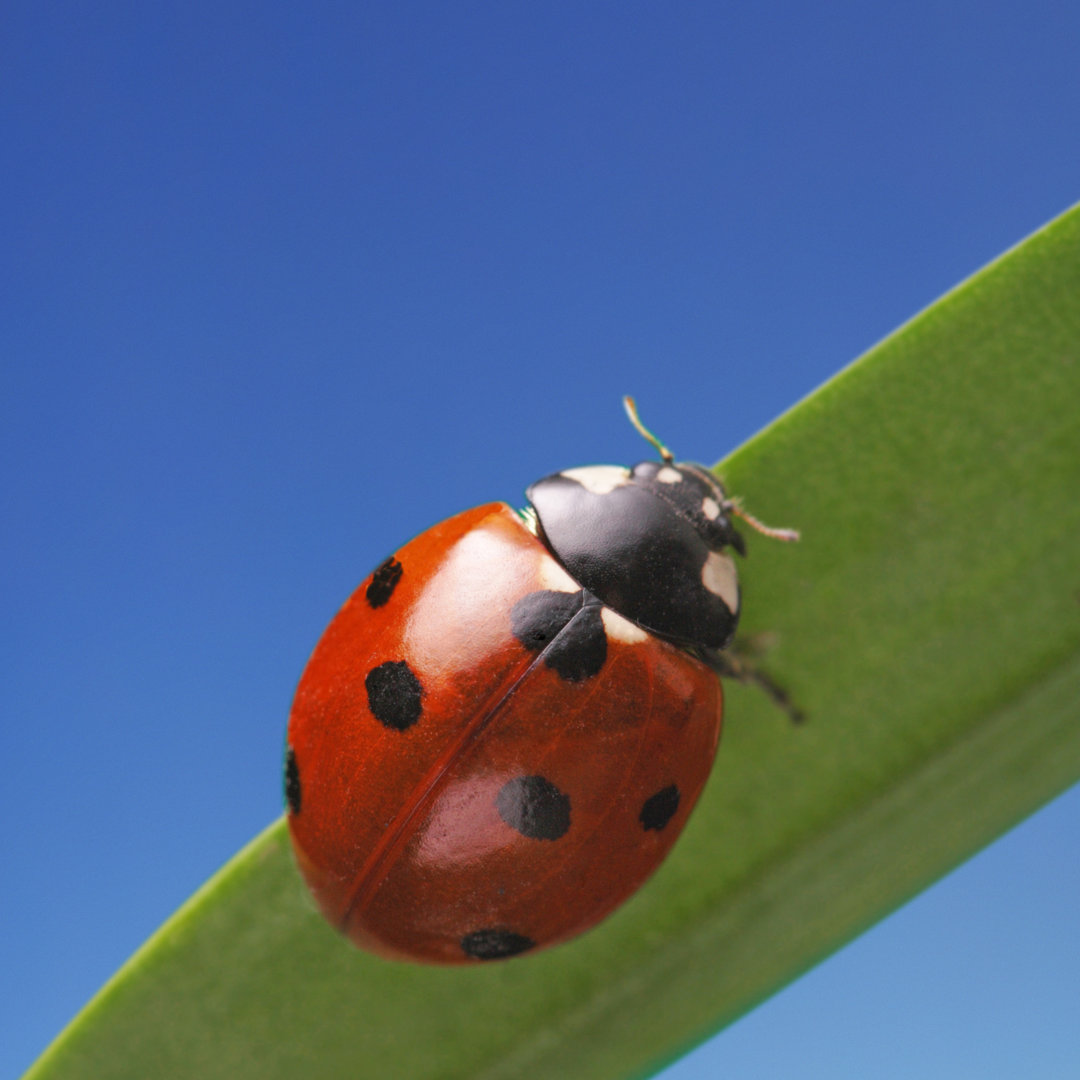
(929, 624)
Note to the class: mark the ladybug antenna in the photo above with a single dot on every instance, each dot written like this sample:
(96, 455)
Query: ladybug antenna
(631, 411)
(733, 505)
(766, 530)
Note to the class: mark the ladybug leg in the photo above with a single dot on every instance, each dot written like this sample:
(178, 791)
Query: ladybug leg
(739, 662)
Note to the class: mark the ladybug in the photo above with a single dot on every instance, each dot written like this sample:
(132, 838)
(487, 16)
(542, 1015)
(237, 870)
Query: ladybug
(502, 733)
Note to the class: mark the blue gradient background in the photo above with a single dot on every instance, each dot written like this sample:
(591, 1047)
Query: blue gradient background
(284, 286)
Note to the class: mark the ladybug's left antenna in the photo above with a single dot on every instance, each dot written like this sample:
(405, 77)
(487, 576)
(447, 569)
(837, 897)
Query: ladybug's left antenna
(731, 504)
(631, 411)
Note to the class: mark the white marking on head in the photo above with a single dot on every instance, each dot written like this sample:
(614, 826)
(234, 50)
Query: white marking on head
(620, 629)
(710, 508)
(720, 577)
(599, 479)
(552, 576)
(668, 475)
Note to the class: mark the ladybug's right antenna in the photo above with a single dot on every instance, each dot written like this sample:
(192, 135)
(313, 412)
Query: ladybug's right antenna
(631, 411)
(735, 506)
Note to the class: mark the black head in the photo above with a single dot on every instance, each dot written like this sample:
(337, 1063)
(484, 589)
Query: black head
(653, 542)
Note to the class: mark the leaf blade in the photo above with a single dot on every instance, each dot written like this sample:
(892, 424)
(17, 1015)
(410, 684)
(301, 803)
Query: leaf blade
(929, 623)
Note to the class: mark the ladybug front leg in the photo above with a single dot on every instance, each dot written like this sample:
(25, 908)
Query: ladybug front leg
(739, 661)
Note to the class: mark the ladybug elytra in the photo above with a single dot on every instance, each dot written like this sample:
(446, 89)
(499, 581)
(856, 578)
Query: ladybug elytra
(502, 733)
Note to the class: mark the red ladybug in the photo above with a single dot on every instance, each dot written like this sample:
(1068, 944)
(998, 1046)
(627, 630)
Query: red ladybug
(504, 730)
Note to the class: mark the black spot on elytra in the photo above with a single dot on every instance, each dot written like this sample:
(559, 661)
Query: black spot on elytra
(383, 582)
(566, 627)
(537, 618)
(292, 782)
(394, 693)
(535, 807)
(660, 808)
(495, 944)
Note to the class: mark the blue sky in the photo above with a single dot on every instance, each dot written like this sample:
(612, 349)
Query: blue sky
(284, 284)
